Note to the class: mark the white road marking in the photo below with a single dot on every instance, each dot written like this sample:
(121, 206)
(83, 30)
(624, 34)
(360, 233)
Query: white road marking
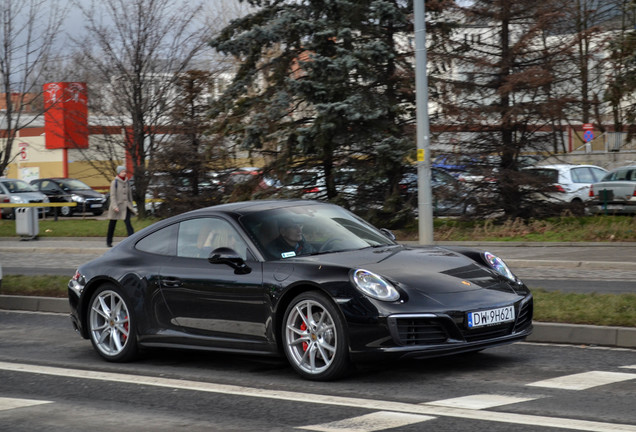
(369, 423)
(629, 367)
(584, 380)
(11, 403)
(480, 401)
(312, 398)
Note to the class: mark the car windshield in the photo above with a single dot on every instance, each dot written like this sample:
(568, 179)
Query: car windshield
(73, 184)
(322, 228)
(17, 186)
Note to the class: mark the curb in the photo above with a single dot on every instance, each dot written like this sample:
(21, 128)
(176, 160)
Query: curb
(617, 337)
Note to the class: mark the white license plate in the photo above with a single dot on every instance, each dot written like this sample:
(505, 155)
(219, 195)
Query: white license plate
(491, 317)
(95, 205)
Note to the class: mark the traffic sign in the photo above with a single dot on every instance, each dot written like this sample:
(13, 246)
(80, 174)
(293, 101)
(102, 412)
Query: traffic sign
(588, 136)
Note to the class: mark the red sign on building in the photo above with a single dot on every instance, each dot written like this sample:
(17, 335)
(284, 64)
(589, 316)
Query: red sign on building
(66, 115)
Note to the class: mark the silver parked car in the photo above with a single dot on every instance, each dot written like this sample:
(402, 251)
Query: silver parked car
(616, 192)
(570, 183)
(20, 192)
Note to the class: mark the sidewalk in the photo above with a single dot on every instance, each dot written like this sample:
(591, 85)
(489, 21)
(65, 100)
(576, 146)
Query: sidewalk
(603, 259)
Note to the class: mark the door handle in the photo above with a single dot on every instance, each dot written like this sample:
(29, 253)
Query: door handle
(171, 282)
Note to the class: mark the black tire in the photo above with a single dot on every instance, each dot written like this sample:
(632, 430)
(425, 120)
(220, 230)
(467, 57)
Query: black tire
(66, 211)
(314, 337)
(112, 324)
(577, 207)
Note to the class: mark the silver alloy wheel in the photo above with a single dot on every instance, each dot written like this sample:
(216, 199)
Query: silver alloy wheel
(311, 337)
(109, 323)
(65, 210)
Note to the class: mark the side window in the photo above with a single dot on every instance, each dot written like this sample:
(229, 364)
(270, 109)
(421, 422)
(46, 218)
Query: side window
(162, 242)
(48, 185)
(199, 237)
(582, 175)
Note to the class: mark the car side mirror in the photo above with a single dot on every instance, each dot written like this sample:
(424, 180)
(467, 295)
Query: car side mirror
(228, 256)
(388, 233)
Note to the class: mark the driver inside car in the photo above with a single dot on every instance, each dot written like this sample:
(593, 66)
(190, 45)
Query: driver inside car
(290, 241)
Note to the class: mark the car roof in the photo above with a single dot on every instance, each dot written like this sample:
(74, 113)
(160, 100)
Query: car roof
(624, 167)
(244, 207)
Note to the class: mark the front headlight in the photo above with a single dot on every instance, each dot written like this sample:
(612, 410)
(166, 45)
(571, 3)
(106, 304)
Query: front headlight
(78, 198)
(374, 286)
(499, 266)
(17, 199)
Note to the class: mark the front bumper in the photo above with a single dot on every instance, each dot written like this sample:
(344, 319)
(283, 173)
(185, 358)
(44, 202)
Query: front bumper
(437, 334)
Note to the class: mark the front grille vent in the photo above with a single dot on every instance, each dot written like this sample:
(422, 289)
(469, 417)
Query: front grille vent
(420, 331)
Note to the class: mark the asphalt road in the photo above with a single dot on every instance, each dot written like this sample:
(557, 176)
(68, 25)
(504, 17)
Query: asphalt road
(52, 380)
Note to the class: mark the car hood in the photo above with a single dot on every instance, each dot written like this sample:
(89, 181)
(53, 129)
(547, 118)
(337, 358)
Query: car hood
(31, 196)
(431, 270)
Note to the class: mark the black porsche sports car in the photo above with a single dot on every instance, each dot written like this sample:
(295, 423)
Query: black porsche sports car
(307, 279)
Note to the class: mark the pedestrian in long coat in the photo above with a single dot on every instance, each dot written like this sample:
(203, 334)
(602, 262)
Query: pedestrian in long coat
(121, 204)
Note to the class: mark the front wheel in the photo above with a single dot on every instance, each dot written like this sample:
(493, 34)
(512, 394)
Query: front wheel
(314, 338)
(112, 325)
(65, 211)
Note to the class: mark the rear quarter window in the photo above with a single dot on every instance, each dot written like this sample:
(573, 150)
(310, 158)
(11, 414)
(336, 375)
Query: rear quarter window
(161, 242)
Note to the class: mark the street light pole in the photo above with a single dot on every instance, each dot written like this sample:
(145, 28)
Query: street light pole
(424, 194)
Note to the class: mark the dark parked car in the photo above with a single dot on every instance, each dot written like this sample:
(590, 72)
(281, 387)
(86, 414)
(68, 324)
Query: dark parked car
(451, 197)
(71, 190)
(220, 278)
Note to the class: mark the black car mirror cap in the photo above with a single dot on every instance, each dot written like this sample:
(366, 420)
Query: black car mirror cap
(388, 233)
(229, 256)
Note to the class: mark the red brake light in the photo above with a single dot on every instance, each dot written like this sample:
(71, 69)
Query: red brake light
(591, 193)
(311, 190)
(559, 188)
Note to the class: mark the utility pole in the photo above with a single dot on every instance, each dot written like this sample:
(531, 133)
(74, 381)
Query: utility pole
(424, 194)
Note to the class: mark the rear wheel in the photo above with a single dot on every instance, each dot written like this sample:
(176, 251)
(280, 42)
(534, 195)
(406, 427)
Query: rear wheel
(112, 324)
(314, 338)
(577, 207)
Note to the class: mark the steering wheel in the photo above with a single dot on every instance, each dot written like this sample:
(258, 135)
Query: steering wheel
(329, 244)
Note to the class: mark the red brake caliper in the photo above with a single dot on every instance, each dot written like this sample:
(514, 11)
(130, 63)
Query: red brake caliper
(303, 327)
(124, 337)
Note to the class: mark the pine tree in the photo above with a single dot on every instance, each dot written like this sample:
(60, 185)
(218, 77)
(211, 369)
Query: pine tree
(326, 83)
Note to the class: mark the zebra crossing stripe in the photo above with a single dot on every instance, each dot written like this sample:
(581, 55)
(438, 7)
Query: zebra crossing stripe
(11, 403)
(369, 423)
(480, 401)
(375, 405)
(584, 381)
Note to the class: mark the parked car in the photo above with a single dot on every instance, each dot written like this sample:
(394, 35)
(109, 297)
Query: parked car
(211, 279)
(252, 177)
(310, 183)
(616, 192)
(451, 197)
(20, 192)
(570, 184)
(69, 190)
